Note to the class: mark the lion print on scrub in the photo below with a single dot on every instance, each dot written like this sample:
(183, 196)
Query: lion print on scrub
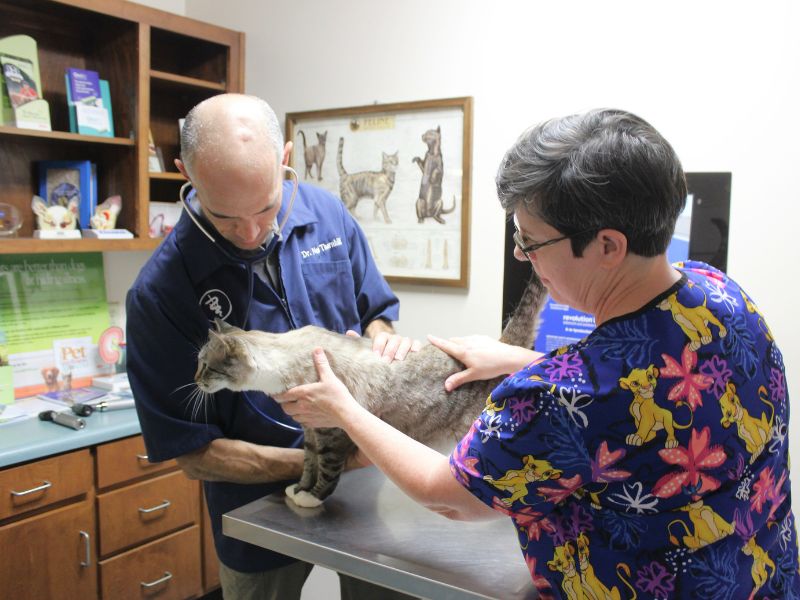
(693, 321)
(755, 433)
(516, 480)
(648, 417)
(592, 587)
(407, 394)
(367, 184)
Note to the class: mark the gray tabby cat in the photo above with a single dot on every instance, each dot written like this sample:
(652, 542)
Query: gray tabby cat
(367, 184)
(407, 394)
(314, 155)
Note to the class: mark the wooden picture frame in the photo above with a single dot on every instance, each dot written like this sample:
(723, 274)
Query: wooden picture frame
(407, 173)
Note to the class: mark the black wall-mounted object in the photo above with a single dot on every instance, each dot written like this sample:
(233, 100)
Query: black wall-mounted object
(710, 194)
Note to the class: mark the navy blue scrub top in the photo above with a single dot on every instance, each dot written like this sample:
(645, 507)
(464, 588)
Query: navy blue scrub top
(330, 280)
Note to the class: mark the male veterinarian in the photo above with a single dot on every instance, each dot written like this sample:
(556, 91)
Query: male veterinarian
(256, 252)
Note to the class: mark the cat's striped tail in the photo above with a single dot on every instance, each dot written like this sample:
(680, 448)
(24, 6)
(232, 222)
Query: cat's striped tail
(339, 164)
(520, 329)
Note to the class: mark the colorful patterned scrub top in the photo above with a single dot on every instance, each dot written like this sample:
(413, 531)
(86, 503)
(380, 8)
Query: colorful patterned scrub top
(650, 459)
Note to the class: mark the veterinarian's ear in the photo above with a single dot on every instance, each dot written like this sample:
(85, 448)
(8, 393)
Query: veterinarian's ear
(287, 153)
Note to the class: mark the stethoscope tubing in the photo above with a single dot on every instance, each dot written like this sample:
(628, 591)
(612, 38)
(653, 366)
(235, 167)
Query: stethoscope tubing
(248, 264)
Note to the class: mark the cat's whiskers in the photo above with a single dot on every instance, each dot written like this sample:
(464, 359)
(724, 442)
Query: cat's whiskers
(196, 400)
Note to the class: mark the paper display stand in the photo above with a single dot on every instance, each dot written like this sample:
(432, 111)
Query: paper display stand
(22, 103)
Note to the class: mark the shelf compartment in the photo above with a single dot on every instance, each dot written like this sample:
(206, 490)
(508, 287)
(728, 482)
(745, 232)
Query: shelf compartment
(34, 246)
(190, 57)
(64, 136)
(189, 82)
(94, 41)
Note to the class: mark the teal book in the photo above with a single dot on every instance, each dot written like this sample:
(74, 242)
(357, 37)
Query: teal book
(89, 103)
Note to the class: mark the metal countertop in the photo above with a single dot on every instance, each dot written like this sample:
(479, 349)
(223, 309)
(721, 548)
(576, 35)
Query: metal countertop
(369, 529)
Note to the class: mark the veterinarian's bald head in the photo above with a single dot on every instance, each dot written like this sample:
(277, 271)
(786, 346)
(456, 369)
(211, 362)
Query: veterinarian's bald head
(231, 131)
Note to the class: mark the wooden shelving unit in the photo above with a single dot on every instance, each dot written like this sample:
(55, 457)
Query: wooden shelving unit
(158, 65)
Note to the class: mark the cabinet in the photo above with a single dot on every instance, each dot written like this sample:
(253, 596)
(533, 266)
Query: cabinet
(158, 66)
(103, 523)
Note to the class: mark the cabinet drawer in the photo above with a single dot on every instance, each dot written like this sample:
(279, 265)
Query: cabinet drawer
(166, 568)
(124, 460)
(50, 555)
(44, 482)
(145, 510)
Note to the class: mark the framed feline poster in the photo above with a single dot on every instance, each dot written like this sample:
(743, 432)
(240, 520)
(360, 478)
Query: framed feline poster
(403, 171)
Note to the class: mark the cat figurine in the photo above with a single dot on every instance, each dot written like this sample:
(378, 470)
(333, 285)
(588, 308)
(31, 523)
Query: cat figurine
(314, 155)
(429, 203)
(56, 217)
(367, 184)
(105, 215)
(407, 394)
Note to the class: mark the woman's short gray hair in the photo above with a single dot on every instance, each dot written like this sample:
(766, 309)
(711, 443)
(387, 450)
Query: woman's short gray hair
(602, 169)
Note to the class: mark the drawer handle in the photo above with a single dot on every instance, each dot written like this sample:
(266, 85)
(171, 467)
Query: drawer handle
(142, 457)
(167, 576)
(88, 547)
(161, 506)
(38, 488)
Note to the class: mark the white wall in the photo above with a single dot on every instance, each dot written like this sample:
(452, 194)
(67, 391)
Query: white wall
(718, 78)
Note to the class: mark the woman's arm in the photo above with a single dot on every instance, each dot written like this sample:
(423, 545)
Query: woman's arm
(484, 358)
(422, 473)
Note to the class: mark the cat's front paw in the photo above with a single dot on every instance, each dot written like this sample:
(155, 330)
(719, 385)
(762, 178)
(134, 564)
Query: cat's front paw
(302, 498)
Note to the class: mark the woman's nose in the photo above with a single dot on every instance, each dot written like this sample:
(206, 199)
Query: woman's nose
(520, 255)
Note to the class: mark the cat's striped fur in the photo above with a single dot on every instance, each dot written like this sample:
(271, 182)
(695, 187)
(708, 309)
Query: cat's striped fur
(408, 394)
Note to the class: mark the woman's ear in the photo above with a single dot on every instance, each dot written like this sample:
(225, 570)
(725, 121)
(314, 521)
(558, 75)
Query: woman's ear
(613, 247)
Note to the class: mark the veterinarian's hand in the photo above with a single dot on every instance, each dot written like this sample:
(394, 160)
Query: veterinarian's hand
(483, 356)
(321, 404)
(391, 346)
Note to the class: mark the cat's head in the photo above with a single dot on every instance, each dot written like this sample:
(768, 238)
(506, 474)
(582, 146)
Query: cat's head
(225, 361)
(390, 162)
(321, 137)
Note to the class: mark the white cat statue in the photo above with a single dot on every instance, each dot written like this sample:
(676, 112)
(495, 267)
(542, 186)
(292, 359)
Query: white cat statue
(55, 218)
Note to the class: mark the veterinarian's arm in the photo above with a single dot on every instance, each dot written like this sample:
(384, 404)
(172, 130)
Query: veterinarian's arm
(388, 344)
(484, 358)
(422, 473)
(242, 462)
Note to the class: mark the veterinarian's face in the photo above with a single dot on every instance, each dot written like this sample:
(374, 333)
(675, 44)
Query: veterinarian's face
(242, 202)
(564, 275)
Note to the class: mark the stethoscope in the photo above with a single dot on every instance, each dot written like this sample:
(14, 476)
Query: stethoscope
(247, 261)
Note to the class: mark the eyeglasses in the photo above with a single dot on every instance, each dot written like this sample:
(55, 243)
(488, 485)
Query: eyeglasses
(531, 248)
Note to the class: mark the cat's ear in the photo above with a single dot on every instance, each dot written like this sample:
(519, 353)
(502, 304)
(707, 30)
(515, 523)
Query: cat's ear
(222, 327)
(438, 129)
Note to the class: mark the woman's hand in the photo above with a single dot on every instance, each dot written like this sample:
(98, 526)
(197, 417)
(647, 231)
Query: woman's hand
(484, 358)
(321, 404)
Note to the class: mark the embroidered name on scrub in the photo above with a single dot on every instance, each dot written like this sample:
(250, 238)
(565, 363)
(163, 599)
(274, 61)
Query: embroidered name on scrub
(320, 248)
